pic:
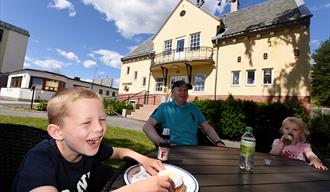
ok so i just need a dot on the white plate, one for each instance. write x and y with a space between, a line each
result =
137 172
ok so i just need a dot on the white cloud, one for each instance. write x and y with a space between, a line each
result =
88 80
63 4
315 42
324 6
134 16
69 55
49 64
89 63
109 58
100 72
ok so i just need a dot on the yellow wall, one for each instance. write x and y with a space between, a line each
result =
195 20
142 67
290 73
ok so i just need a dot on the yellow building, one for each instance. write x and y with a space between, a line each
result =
260 53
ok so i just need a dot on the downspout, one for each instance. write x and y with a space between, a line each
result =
216 71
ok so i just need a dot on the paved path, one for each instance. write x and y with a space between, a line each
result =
111 120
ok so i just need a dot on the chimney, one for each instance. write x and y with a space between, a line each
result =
234 6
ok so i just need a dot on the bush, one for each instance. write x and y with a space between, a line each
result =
113 107
320 133
42 106
230 117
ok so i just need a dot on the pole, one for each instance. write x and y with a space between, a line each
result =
216 73
33 89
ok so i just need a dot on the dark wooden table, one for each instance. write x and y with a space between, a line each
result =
216 170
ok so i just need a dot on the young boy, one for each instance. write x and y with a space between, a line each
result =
77 124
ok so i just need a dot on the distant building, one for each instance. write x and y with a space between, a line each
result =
21 83
13 44
260 53
104 81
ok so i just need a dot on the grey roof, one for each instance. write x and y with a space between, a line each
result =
262 16
14 28
143 49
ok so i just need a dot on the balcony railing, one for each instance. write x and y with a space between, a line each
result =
186 54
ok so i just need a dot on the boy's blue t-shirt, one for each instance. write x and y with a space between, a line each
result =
44 166
183 121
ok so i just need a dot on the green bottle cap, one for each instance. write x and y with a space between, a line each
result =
248 129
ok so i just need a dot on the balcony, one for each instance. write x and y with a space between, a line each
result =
188 54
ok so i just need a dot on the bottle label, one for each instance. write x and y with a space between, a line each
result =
163 153
247 148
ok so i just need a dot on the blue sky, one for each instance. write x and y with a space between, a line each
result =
87 38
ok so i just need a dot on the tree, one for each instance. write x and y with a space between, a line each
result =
321 74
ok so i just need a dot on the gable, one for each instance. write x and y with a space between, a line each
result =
178 25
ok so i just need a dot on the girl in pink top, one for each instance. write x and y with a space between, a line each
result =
298 149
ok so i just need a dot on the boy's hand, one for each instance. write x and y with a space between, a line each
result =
318 164
152 166
154 184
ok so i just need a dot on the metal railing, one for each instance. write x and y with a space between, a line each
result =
144 95
186 54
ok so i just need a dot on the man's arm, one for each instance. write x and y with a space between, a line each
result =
150 131
210 132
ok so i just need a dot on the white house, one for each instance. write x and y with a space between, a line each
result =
21 83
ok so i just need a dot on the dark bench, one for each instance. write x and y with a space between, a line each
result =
17 140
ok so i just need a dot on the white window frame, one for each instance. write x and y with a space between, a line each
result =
247 77
167 47
271 78
159 84
195 41
201 86
232 78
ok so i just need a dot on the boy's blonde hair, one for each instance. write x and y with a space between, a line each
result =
301 124
57 106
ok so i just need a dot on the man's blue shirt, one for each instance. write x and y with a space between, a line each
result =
182 120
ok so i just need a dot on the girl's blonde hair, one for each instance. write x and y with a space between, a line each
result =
301 124
57 106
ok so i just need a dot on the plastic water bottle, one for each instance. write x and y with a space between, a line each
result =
164 145
247 149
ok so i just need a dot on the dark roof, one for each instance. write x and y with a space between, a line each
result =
14 28
144 49
262 16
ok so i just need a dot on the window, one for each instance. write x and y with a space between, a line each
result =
127 71
235 77
100 91
159 84
51 85
194 41
267 76
250 77
167 47
37 82
265 56
135 75
113 94
239 59
16 81
107 93
199 82
144 81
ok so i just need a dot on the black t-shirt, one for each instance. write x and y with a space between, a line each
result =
44 166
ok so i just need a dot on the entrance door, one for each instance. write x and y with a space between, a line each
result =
179 52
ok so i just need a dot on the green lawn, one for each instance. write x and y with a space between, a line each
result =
115 136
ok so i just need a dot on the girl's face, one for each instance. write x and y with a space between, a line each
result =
82 128
294 129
